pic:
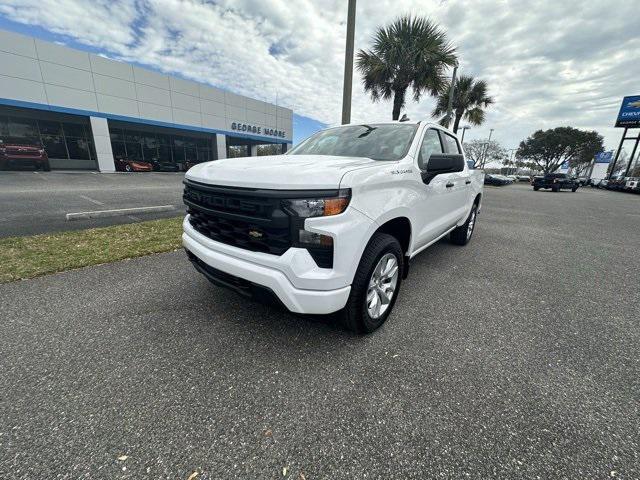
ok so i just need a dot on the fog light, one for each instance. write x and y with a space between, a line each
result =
311 238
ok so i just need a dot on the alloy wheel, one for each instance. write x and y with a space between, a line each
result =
472 223
382 285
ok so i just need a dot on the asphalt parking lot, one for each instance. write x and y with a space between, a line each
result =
517 356
37 202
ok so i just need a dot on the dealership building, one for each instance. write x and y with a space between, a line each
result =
87 111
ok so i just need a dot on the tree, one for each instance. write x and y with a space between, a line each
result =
470 98
549 149
411 52
483 152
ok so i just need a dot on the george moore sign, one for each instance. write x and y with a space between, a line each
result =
244 127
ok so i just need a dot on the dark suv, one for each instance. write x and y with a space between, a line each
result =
555 181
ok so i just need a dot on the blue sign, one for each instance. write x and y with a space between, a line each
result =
604 157
565 165
629 115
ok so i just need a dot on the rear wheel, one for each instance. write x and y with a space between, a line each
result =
555 189
375 286
128 168
536 188
574 189
462 234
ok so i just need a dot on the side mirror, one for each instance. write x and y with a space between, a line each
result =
440 163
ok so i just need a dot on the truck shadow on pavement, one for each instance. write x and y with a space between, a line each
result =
220 305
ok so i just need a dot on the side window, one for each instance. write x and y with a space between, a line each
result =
450 143
430 144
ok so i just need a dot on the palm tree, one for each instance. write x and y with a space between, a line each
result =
411 52
469 101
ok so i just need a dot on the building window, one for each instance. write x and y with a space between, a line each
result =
55 146
159 147
271 149
67 139
79 148
236 151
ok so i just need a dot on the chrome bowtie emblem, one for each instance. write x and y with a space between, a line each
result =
255 234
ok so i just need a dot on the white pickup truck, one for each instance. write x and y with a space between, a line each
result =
331 225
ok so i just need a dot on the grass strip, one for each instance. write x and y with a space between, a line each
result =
28 257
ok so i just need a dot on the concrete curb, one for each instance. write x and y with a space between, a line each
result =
118 212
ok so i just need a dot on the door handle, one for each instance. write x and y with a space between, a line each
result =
449 185
467 182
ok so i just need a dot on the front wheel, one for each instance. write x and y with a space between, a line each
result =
535 189
462 234
375 285
574 189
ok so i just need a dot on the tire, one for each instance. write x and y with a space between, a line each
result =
462 235
555 189
127 168
535 189
355 315
46 167
574 189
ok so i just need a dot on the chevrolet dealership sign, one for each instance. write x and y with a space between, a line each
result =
629 115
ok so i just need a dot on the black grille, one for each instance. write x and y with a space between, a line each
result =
239 217
252 219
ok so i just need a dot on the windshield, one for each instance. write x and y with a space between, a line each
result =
375 141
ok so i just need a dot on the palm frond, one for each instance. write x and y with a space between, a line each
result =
411 52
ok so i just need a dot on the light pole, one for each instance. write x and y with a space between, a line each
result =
348 63
452 88
486 147
464 129
512 154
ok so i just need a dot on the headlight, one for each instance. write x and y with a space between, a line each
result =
319 207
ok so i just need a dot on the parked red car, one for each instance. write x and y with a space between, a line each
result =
126 165
18 156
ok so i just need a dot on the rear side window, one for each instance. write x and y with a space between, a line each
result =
450 143
430 144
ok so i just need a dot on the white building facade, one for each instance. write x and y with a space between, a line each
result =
87 111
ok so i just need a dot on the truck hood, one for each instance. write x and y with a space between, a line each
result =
284 172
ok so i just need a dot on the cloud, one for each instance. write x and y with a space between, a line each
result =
547 63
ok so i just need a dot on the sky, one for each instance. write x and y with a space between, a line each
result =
547 63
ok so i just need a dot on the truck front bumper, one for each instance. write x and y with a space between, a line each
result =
261 269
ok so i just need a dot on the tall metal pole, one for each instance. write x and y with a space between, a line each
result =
464 129
486 147
348 63
615 160
451 90
633 154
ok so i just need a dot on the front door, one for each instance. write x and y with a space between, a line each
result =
436 206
